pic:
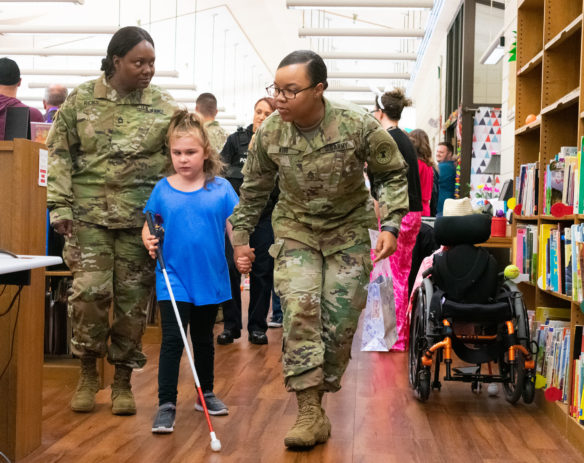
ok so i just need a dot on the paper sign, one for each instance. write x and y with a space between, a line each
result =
43 167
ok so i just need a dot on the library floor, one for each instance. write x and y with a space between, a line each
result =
374 418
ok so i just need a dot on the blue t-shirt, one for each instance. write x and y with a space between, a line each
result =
194 241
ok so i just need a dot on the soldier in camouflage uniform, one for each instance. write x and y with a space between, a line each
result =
322 265
206 106
106 153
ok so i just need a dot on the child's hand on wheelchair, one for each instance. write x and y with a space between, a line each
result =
386 246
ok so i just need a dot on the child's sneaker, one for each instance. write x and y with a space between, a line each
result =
164 421
214 405
275 322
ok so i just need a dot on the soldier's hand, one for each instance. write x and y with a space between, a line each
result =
243 264
386 246
243 252
64 227
151 244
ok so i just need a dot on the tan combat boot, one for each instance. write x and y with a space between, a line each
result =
310 427
84 397
123 402
327 422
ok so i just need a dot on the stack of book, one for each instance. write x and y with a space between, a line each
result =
527 188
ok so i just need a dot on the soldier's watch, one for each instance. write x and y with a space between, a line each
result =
390 229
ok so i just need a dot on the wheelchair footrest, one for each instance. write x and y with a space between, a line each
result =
480 378
471 370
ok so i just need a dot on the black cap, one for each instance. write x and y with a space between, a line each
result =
9 72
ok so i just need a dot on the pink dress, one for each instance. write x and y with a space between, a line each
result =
401 263
426 183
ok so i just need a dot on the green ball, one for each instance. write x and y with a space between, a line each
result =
511 272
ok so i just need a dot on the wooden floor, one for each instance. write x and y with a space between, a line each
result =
374 418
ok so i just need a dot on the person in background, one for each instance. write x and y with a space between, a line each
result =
261 278
106 152
206 106
447 174
425 244
388 111
421 143
317 148
9 82
55 96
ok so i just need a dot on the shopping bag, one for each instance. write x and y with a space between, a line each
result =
379 325
379 322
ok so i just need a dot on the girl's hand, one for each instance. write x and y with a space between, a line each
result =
386 246
243 264
151 243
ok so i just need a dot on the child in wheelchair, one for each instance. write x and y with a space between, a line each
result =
463 306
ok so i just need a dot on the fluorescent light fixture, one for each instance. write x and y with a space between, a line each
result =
370 102
359 3
78 2
357 32
357 55
51 52
494 51
224 117
368 75
349 89
40 29
73 85
80 72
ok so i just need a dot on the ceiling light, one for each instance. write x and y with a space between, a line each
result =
366 55
51 52
368 75
80 72
40 29
359 4
494 51
357 32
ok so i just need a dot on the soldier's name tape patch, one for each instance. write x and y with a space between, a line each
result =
339 146
149 109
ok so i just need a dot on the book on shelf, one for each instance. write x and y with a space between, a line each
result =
526 188
560 180
527 251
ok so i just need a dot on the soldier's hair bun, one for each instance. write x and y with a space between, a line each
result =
394 102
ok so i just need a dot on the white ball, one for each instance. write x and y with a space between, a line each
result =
215 445
493 389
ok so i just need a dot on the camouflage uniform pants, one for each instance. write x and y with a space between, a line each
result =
322 299
109 264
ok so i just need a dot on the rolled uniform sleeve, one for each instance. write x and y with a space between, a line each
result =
259 177
387 171
62 142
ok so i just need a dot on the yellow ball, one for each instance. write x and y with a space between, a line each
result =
511 272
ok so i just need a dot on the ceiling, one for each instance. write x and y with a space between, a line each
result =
229 47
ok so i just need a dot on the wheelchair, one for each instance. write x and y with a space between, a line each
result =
465 307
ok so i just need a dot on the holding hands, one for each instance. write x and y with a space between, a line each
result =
243 256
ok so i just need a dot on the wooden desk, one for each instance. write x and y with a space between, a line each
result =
22 231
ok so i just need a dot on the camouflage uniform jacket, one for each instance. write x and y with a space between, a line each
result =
217 135
323 202
106 153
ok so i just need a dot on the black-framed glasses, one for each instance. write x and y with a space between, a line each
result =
274 91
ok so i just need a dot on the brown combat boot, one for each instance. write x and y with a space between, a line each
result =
83 399
123 402
310 427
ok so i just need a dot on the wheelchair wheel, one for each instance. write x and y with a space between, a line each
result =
528 390
514 376
419 375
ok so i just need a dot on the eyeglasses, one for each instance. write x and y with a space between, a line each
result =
274 91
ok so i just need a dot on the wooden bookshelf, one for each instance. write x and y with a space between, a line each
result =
550 83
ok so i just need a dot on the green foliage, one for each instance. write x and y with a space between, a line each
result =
513 51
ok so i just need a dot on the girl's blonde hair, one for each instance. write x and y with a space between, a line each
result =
183 123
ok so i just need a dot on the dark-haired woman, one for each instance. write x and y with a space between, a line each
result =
426 167
388 111
234 155
318 148
106 153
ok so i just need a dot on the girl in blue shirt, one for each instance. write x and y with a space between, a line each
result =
192 206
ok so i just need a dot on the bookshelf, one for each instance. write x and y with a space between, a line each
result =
550 85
